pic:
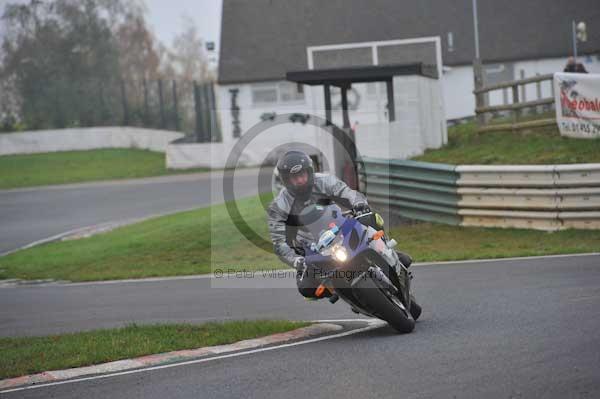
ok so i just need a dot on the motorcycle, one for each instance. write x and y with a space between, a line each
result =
358 264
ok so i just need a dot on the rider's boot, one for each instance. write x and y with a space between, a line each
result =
323 292
320 292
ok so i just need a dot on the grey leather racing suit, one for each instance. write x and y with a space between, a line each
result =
285 206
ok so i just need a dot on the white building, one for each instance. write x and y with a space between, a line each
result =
264 40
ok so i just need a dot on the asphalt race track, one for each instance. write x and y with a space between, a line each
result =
521 328
32 214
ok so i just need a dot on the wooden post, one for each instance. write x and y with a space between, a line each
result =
516 112
523 96
538 89
479 97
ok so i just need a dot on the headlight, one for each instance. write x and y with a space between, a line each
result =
340 254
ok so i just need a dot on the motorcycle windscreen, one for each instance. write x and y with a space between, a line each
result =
318 218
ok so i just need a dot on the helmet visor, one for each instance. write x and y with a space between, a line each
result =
299 180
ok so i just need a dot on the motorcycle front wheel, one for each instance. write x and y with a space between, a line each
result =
386 307
415 310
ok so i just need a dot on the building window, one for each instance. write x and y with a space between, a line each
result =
264 94
450 42
284 92
288 92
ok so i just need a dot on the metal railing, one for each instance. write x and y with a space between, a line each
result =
411 189
542 197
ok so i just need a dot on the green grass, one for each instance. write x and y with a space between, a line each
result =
28 355
199 241
181 244
81 166
536 146
430 242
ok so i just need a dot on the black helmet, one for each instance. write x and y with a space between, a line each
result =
291 163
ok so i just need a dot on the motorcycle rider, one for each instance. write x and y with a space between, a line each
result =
303 187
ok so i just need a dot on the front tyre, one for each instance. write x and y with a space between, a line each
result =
386 307
415 310
399 320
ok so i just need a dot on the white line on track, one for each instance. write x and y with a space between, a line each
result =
259 272
493 260
372 324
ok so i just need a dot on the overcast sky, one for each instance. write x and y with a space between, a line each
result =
165 17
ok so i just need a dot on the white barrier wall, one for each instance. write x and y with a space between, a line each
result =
41 141
266 146
196 155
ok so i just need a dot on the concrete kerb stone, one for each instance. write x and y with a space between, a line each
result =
170 357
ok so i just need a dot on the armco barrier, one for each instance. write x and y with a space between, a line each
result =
533 199
506 176
417 190
544 197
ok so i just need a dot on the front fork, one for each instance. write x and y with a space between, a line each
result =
404 278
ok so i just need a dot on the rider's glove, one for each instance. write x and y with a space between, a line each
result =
299 264
361 207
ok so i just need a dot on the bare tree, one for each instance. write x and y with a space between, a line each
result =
187 57
138 54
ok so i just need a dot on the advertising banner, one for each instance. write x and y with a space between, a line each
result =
577 104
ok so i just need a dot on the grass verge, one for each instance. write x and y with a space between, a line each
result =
199 241
537 146
81 166
432 242
28 355
185 243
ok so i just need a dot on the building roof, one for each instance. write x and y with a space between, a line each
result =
263 39
345 76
